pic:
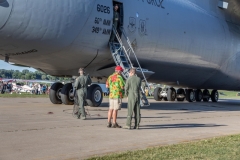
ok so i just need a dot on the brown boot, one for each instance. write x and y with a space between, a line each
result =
109 125
115 125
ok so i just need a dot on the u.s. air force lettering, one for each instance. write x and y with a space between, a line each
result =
142 30
132 24
157 3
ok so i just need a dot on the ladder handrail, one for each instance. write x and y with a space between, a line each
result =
121 43
125 52
130 45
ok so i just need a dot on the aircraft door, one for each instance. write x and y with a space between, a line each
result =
118 19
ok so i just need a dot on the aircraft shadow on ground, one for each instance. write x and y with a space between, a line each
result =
222 105
187 125
227 105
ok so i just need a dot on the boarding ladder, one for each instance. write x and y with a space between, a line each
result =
121 56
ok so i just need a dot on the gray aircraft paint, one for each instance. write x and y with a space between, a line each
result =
192 42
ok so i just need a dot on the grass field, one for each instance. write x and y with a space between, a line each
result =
229 94
222 148
23 95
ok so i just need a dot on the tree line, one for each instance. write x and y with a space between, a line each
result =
29 75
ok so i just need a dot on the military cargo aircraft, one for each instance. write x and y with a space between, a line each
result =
192 45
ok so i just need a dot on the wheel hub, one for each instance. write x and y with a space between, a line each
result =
71 95
191 95
59 93
97 96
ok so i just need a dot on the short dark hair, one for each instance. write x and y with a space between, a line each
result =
133 70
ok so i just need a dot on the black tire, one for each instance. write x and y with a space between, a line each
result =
214 96
157 95
94 96
190 97
66 93
171 94
198 95
54 93
181 91
206 95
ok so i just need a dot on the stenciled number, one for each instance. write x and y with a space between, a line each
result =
95 29
104 9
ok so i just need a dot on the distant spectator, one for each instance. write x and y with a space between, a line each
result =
39 89
44 88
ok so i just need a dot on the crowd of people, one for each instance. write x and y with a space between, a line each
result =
5 87
38 88
33 88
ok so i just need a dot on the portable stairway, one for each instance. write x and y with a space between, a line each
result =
121 56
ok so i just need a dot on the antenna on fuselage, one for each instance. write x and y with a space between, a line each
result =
6 59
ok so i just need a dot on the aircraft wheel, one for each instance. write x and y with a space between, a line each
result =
55 93
94 96
214 96
67 94
206 95
198 95
180 91
190 96
171 94
157 95
165 99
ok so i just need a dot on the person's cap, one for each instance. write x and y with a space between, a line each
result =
118 68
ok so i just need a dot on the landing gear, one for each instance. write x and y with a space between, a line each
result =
157 94
214 96
55 93
94 96
206 95
168 94
180 94
198 95
171 94
60 93
67 94
190 96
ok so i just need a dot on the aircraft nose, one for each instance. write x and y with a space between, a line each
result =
5 11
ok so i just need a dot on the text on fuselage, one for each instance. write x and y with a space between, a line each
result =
157 3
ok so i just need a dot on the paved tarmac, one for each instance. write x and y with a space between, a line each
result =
33 128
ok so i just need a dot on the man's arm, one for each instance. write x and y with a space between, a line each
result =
76 83
89 82
127 87
108 82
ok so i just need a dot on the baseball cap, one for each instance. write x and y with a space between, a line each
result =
118 68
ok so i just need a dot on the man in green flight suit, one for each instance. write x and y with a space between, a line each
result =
132 90
115 21
80 86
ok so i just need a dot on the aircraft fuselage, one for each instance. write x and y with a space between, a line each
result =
186 43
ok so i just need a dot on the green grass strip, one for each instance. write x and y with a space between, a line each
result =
221 148
23 95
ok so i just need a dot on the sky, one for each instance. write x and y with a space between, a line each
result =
4 65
